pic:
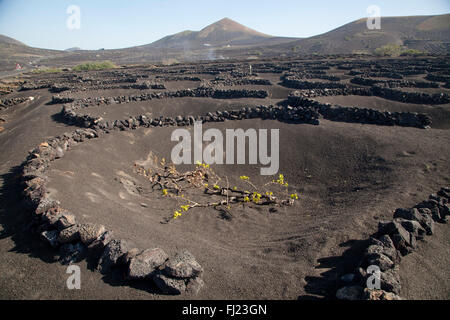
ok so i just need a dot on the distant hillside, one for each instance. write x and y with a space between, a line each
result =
227 39
424 33
223 33
4 40
13 51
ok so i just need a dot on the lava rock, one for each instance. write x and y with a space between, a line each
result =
69 235
112 254
404 244
144 264
385 247
423 216
97 247
90 232
375 257
126 258
390 281
50 237
46 204
376 295
351 293
403 240
59 153
183 265
169 285
433 206
412 227
72 253
51 217
348 278
195 285
65 221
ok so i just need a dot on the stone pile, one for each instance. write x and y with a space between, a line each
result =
146 85
437 77
281 113
6 103
385 74
386 93
57 88
178 78
298 110
394 83
34 86
309 75
394 239
201 92
57 99
227 81
361 115
410 97
295 83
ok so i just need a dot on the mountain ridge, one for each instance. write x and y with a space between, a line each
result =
424 33
228 39
225 32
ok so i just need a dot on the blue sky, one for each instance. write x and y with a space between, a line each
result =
117 24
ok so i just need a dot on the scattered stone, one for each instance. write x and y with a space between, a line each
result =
183 265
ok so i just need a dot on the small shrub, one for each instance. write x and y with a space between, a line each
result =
48 70
395 50
93 66
174 184
411 52
389 50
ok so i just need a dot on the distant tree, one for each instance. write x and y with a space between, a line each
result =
395 50
89 66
